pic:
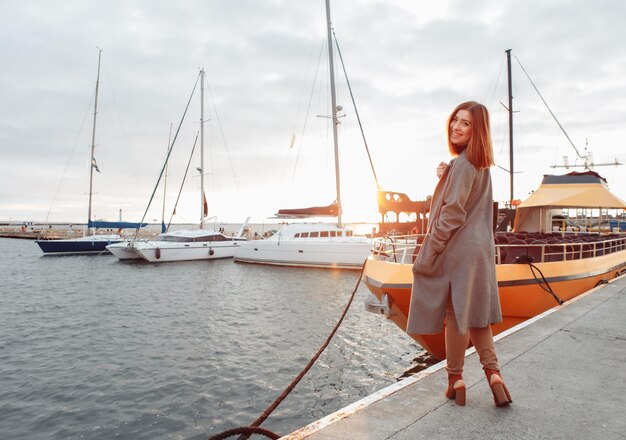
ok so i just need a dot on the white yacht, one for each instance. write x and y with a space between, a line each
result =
189 244
124 250
185 245
320 245
313 244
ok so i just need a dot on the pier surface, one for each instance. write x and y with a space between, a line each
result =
565 369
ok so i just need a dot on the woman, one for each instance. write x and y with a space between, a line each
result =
454 274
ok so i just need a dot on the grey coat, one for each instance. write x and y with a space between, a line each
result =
457 256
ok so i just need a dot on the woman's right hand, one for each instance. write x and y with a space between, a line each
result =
441 168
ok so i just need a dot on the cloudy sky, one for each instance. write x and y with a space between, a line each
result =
409 64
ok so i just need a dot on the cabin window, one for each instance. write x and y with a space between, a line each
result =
333 233
348 233
217 237
304 235
176 239
314 234
297 235
324 234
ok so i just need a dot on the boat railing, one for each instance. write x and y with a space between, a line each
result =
397 248
403 248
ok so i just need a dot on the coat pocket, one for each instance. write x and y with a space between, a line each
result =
427 262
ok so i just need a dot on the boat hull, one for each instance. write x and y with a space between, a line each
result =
330 254
124 251
94 245
521 296
157 252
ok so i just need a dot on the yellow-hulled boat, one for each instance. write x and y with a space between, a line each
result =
537 265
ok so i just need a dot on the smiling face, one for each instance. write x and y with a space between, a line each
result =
461 128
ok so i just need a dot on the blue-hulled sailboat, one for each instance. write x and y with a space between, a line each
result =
91 243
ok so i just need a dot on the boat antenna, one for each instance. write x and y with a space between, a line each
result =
334 110
588 163
356 111
93 145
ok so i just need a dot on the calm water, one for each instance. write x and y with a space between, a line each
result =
91 348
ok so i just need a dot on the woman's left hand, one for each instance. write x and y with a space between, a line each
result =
441 168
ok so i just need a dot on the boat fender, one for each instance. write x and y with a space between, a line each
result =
157 253
211 251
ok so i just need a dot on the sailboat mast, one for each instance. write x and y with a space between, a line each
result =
334 110
92 163
508 60
202 197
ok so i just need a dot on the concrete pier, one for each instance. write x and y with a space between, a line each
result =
565 369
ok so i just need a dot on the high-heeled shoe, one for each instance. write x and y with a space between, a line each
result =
456 389
501 396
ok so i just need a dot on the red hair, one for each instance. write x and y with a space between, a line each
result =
478 150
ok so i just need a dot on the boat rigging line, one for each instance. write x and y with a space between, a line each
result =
119 119
358 118
254 428
219 124
69 159
306 117
167 157
550 110
183 182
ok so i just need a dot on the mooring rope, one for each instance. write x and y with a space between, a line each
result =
246 431
255 425
527 259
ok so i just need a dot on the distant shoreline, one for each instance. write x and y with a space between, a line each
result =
36 229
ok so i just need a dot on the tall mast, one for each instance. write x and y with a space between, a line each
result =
202 197
334 109
92 162
510 109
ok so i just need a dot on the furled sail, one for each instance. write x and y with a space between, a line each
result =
115 225
331 210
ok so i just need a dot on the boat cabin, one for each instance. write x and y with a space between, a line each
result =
568 217
194 236
578 202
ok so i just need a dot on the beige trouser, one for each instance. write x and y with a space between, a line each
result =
456 344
